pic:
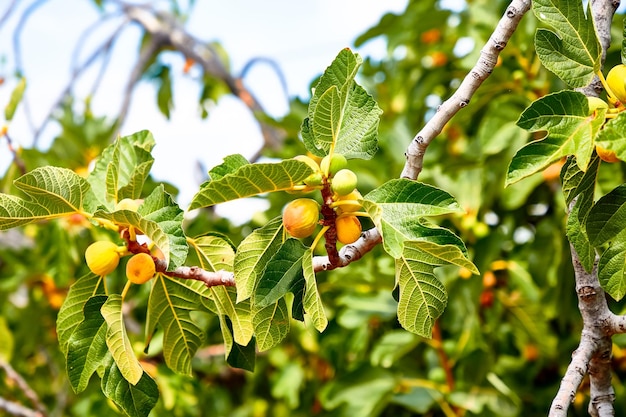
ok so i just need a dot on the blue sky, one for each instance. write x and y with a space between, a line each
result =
301 36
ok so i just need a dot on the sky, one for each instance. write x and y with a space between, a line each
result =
301 37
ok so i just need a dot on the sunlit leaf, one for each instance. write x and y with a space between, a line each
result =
271 324
118 342
253 254
170 304
14 101
570 131
312 302
231 164
250 180
573 53
327 117
50 192
612 137
137 400
87 348
122 169
71 312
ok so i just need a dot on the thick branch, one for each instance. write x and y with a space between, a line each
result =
481 71
210 279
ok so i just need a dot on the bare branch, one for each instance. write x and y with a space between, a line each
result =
16 158
349 253
40 410
18 410
210 279
461 98
7 12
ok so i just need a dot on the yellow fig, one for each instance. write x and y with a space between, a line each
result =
127 204
616 79
103 257
348 203
607 155
301 217
140 268
348 229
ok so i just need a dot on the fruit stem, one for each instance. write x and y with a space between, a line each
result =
609 92
354 213
126 288
319 236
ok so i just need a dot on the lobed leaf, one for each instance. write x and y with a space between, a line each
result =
251 179
312 301
574 52
607 218
136 400
87 348
170 304
50 192
253 254
71 312
118 342
612 268
564 115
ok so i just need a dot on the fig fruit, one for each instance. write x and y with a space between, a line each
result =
344 182
607 155
127 204
330 166
349 203
348 229
596 103
140 268
309 161
301 216
102 257
616 79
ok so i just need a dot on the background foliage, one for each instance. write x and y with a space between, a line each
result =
500 347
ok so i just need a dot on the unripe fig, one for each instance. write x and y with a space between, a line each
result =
607 155
301 216
348 229
127 204
140 268
344 182
349 203
616 79
314 180
102 257
330 166
596 103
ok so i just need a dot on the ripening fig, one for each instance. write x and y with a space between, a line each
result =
344 182
103 257
127 204
348 203
607 155
140 268
301 216
616 79
348 229
330 166
596 103
309 161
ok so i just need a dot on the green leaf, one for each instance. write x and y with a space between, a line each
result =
271 324
564 115
231 164
164 94
612 136
607 218
170 304
252 179
215 253
160 219
118 342
422 297
574 52
122 169
136 400
612 268
50 192
577 236
341 113
71 312
281 273
253 254
87 348
14 101
327 118
397 207
312 302
238 356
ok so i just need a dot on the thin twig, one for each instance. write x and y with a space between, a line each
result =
461 98
16 158
7 12
21 383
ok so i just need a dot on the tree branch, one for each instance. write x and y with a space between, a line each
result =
210 279
18 409
461 98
